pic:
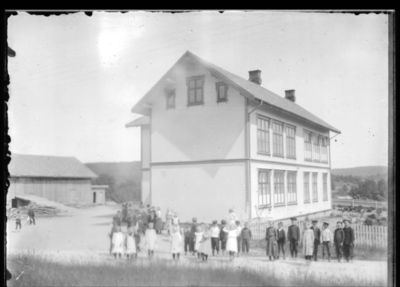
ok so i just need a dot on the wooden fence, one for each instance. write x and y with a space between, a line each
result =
355 202
368 235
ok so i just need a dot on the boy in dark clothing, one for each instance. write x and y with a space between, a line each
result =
193 229
317 238
18 221
31 215
293 237
246 237
281 239
187 240
223 236
338 238
348 241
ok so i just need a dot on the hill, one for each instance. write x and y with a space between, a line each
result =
123 179
362 171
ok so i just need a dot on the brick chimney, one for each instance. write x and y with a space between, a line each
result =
289 95
255 77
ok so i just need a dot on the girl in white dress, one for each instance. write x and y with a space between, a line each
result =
198 235
176 242
130 244
150 239
231 245
205 244
117 242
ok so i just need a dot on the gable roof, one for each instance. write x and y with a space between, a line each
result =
142 121
23 165
248 89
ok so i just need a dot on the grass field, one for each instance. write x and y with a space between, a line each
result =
36 270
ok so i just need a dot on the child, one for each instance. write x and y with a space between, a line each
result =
326 239
271 237
176 242
246 237
308 244
130 244
110 235
136 234
151 237
214 237
198 235
18 221
239 236
223 236
231 244
281 239
338 240
117 242
205 244
188 238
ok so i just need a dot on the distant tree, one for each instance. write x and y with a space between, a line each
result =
354 192
333 183
382 189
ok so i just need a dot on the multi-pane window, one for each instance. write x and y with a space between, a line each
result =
291 187
306 187
277 138
279 187
325 186
170 97
195 87
222 91
307 146
316 148
263 135
264 187
290 141
315 186
324 149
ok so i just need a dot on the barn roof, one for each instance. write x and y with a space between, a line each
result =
23 165
247 88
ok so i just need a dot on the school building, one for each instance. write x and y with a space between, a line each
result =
211 141
61 179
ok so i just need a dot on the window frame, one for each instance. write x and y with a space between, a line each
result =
267 189
324 147
275 135
308 134
316 154
288 126
281 192
195 89
325 196
314 186
293 185
267 133
225 97
306 199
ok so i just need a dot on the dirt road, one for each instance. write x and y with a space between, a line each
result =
82 234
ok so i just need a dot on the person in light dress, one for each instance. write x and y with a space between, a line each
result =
150 239
130 244
117 242
176 242
231 244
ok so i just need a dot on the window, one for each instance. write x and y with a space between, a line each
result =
222 92
324 149
279 187
195 87
316 148
325 186
277 138
291 187
306 187
315 186
264 187
290 142
170 96
307 145
263 135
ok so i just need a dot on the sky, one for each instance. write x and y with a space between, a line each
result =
75 78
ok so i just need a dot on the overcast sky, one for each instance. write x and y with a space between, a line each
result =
75 78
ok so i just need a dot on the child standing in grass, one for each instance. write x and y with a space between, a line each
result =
18 219
205 244
246 237
338 240
110 235
223 236
187 240
130 244
151 238
231 244
326 240
308 243
214 230
198 235
117 242
176 242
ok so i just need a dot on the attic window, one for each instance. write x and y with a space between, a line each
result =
170 97
195 86
222 92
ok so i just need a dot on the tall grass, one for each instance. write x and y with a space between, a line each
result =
42 271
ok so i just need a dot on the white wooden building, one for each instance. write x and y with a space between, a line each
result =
60 179
211 141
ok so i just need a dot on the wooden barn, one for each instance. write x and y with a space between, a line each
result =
61 179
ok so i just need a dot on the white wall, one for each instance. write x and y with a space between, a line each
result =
205 191
145 197
290 210
189 133
145 146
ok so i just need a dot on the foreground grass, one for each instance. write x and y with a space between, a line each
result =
41 271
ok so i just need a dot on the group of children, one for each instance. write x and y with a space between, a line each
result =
30 218
313 237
